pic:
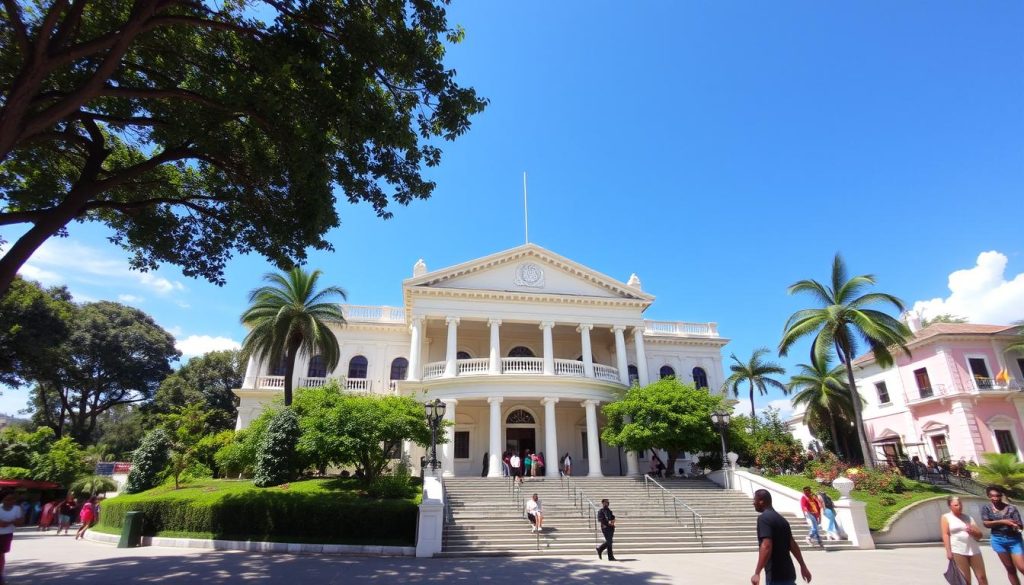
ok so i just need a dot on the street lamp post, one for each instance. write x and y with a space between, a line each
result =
720 419
435 413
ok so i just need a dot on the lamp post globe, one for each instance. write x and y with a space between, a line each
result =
434 410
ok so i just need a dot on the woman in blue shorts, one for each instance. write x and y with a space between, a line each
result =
1006 524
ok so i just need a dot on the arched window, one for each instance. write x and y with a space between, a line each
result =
634 375
700 378
462 355
280 368
520 417
357 367
317 367
399 368
667 372
520 351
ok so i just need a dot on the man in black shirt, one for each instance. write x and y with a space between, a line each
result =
607 520
776 543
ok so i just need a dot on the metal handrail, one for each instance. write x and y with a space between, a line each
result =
698 520
449 516
580 501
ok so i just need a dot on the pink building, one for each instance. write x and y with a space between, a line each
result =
949 399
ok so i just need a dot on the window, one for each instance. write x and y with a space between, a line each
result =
667 372
700 378
520 351
586 450
1005 441
883 393
462 355
941 448
280 368
317 367
520 417
924 384
634 375
979 369
357 367
399 369
462 444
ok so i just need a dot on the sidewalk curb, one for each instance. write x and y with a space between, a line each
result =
259 546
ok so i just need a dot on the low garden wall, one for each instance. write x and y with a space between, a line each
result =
919 522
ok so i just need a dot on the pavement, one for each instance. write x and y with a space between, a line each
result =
44 559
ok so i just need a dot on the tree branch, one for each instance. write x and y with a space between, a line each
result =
175 93
69 25
46 28
124 120
20 34
142 204
203 23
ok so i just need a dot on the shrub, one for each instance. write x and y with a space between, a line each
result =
15 473
887 501
276 459
778 457
231 460
826 468
874 481
396 485
148 462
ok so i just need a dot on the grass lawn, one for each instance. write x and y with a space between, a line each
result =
279 514
878 514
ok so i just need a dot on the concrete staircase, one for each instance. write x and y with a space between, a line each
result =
486 520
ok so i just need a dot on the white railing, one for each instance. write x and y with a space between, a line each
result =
357 384
473 366
681 328
373 314
603 372
312 382
269 382
433 370
522 365
568 368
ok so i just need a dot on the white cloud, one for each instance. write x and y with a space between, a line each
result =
199 344
33 272
783 405
129 299
982 294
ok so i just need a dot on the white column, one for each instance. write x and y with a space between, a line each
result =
252 371
450 367
593 445
448 448
641 356
549 350
495 346
415 348
588 356
494 454
632 463
620 354
550 438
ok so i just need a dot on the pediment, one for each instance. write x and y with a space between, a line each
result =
528 269
932 426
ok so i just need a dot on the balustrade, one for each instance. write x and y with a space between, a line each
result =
681 328
522 365
269 382
603 372
373 313
569 368
473 366
433 370
312 382
358 384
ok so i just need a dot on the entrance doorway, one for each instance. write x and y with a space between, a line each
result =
518 440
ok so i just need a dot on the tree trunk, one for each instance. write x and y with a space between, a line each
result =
671 463
753 414
289 369
862 437
835 433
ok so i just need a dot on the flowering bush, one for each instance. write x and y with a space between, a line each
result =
778 457
825 468
874 481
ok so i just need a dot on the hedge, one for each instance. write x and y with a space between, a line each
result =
271 516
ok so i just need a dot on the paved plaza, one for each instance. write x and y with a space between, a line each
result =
44 559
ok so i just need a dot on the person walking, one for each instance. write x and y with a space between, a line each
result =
66 512
812 513
535 512
567 465
775 545
1005 521
88 517
11 516
607 520
960 536
506 468
527 463
540 464
517 469
828 510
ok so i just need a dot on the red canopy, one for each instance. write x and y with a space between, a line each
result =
28 484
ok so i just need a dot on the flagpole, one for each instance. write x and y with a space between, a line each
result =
526 211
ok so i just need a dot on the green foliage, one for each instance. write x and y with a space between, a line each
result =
666 414
18 447
8 472
1000 469
207 448
62 463
276 460
187 427
289 316
744 437
825 468
201 141
824 393
120 430
942 318
756 373
778 457
230 460
875 481
887 501
33 321
149 462
393 486
92 485
328 511
207 379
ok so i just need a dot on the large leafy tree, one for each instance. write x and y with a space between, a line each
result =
665 415
114 355
194 130
290 316
823 391
756 373
33 321
373 428
208 380
844 320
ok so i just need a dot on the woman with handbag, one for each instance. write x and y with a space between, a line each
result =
960 537
1006 524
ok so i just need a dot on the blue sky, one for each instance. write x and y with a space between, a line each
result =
720 150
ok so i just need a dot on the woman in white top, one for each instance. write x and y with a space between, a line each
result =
960 537
10 516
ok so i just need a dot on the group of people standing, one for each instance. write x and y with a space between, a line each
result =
529 465
960 536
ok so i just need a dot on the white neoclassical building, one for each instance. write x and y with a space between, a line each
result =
523 346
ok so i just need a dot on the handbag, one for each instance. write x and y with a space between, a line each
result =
953 575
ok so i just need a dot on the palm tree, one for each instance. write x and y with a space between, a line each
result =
1018 344
840 321
823 392
757 373
1000 469
93 485
289 316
